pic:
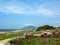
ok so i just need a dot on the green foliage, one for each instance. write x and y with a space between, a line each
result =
11 35
45 27
38 41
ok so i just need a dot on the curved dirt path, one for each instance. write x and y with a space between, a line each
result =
3 42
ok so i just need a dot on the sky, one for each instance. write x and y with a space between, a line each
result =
16 14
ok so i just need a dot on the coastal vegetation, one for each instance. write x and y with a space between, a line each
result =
43 35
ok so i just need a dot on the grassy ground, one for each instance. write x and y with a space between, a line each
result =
21 33
38 41
34 41
13 34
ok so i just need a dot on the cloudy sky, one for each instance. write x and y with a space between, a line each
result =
15 14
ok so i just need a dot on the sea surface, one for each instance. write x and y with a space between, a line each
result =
5 30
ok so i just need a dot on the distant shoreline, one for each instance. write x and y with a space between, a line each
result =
3 30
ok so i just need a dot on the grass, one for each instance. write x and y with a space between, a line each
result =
34 41
12 34
21 33
38 41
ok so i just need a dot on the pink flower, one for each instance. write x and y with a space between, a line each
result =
45 34
53 33
56 32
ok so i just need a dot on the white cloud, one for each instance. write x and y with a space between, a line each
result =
28 24
44 11
27 10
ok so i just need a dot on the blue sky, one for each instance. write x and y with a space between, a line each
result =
15 14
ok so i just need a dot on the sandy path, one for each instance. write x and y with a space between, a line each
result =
3 42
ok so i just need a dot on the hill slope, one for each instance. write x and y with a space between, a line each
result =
29 28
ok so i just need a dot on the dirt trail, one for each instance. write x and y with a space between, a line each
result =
3 42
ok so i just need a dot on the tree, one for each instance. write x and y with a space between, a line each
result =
45 27
58 27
